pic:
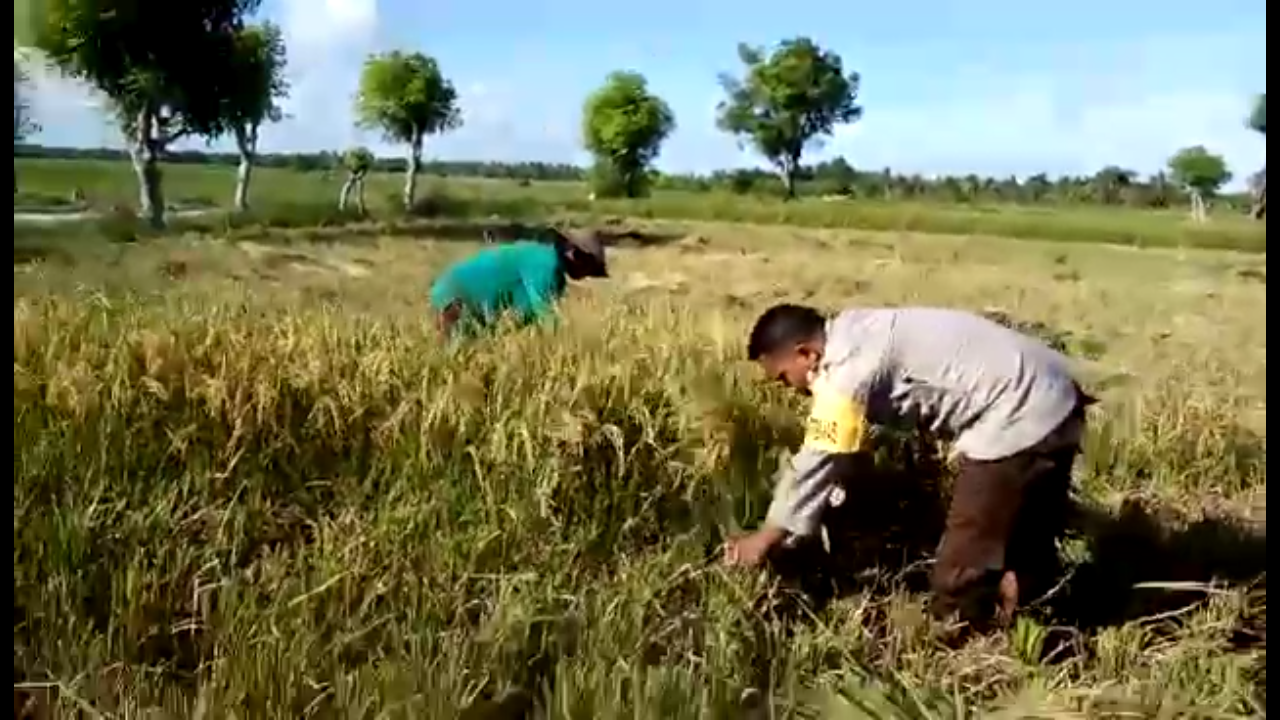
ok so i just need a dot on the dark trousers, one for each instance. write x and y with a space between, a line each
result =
999 547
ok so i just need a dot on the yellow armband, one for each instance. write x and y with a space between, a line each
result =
837 423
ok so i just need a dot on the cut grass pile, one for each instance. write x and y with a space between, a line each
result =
261 486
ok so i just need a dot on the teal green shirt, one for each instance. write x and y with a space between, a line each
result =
523 280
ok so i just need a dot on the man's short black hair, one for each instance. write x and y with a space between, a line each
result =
783 325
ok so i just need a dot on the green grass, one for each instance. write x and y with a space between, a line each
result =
284 194
247 479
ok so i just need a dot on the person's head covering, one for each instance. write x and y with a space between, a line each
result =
590 250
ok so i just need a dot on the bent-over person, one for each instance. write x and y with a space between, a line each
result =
521 280
1009 404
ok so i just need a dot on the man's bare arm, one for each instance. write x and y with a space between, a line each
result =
834 439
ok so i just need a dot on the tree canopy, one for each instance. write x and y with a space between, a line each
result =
23 122
257 84
28 15
1197 169
1202 173
788 100
623 126
358 160
257 78
405 96
1258 116
158 56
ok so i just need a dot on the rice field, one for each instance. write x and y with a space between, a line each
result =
249 482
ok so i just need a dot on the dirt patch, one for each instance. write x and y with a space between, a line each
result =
739 255
503 232
353 268
273 259
290 261
1254 274
175 268
35 254
667 281
693 243
1064 341
638 238
255 250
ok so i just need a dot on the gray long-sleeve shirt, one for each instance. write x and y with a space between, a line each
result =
993 391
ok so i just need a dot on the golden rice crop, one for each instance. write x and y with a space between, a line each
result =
282 509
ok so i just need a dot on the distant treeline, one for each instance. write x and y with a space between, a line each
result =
1109 186
323 160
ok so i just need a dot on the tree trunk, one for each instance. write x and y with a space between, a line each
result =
243 173
1198 212
789 169
145 155
352 188
1259 183
246 142
411 172
344 195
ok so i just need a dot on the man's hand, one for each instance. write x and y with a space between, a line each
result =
751 549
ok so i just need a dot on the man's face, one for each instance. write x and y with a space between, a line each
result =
794 367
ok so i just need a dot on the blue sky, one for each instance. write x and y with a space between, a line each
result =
986 86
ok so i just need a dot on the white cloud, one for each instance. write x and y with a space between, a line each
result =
54 93
69 111
319 26
504 122
1032 130
1131 104
327 40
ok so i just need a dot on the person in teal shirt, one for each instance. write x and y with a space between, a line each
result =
522 280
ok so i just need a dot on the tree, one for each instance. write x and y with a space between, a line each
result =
1110 181
1038 187
787 101
1258 115
358 161
1160 195
1258 182
836 176
27 16
163 64
405 96
23 124
1201 173
1258 189
623 126
258 65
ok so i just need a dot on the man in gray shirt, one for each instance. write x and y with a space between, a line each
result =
1008 403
